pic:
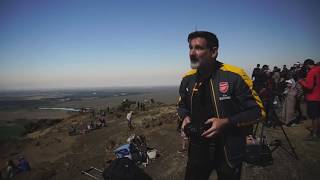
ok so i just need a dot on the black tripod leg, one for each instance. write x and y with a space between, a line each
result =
261 134
289 142
293 153
275 148
255 130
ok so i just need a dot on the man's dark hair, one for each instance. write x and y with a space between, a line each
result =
212 40
258 65
308 62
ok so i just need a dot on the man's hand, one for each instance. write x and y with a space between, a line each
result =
216 126
185 121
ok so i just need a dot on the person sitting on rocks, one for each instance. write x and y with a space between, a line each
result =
11 169
102 122
23 165
90 127
72 131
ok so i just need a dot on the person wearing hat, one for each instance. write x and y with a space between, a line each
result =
312 86
23 165
288 112
218 107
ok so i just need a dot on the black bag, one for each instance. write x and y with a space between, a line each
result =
258 152
124 169
234 150
139 149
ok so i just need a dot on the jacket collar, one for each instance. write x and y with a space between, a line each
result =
205 74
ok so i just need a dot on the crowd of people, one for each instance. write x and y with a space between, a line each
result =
295 89
96 122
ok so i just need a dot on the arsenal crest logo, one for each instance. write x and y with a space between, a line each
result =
223 87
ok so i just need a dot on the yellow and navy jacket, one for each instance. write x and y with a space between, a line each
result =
231 92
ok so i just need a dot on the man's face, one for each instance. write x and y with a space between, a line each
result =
200 54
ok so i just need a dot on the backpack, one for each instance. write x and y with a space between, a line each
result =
124 169
131 151
139 150
124 151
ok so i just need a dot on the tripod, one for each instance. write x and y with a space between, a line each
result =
277 143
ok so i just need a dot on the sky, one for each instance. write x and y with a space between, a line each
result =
90 43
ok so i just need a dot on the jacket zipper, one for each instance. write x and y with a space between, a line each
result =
214 99
218 116
192 97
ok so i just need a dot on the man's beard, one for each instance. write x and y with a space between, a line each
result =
198 63
194 63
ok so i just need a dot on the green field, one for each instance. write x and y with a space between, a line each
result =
11 131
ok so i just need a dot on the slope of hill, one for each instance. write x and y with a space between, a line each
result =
54 155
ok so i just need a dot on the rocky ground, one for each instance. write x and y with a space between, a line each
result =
54 155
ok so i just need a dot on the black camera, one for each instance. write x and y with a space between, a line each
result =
193 131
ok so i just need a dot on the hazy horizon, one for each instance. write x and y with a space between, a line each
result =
88 88
79 43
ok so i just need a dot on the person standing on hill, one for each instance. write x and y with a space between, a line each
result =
129 119
312 87
218 107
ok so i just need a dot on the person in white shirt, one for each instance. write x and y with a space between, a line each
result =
129 119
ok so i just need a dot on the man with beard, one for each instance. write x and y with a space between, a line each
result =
218 106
